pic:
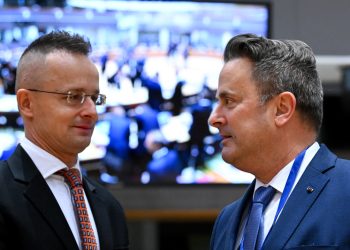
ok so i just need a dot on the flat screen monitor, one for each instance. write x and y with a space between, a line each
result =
159 63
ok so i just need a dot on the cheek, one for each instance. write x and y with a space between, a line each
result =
58 121
248 126
53 117
242 119
259 130
52 124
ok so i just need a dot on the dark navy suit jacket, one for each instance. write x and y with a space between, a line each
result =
316 215
31 219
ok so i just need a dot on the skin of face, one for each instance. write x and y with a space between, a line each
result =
50 122
245 124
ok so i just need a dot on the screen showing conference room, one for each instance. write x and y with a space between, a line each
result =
159 63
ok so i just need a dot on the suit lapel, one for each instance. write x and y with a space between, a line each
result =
102 220
40 196
301 200
236 217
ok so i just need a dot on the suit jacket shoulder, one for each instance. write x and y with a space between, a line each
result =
316 213
314 217
30 217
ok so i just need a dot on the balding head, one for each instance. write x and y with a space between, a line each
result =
32 62
29 70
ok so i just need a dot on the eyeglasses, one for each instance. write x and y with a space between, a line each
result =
77 97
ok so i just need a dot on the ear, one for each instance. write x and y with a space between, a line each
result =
285 108
24 103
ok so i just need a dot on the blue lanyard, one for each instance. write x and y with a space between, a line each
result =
290 182
287 188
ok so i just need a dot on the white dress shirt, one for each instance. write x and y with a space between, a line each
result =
48 165
278 182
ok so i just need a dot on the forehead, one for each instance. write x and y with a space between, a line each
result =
61 58
236 76
74 71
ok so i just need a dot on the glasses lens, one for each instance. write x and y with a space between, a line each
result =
75 98
99 99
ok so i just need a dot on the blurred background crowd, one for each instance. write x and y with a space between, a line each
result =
159 75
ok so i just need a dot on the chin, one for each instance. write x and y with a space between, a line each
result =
81 145
227 157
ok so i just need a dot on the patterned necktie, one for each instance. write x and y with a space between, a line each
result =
253 230
87 236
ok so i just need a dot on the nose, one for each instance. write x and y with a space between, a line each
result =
89 108
216 119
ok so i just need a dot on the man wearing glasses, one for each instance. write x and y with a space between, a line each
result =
45 202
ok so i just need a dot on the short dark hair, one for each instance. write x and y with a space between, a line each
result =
55 41
59 40
282 65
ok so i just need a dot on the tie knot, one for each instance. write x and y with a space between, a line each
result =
264 195
71 176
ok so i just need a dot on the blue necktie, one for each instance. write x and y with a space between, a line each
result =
253 230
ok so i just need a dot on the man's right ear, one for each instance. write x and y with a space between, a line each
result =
24 102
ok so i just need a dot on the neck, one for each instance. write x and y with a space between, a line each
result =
68 159
287 143
279 162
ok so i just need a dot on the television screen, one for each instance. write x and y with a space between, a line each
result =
159 63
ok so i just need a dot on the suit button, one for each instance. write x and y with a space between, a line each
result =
309 189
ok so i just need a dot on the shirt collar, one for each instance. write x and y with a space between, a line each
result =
279 181
46 163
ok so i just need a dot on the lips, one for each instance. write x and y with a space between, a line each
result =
84 126
225 137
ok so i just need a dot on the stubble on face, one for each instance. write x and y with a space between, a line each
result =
247 124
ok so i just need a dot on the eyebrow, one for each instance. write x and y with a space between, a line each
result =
224 94
97 91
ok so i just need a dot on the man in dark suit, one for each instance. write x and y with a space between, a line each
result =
57 88
269 112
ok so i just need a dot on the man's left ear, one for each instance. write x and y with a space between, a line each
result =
285 107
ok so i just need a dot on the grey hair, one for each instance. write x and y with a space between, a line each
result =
282 65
